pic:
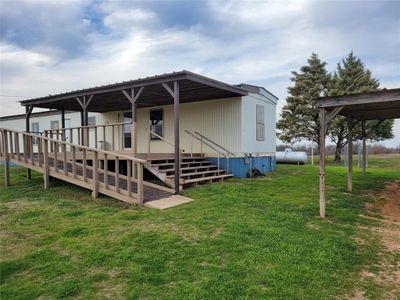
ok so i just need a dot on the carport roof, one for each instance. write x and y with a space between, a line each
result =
193 87
379 105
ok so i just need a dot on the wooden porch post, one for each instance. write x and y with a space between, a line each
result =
175 94
84 103
28 111
134 137
350 159
132 97
364 148
176 135
322 162
62 118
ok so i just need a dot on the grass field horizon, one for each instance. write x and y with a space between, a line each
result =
243 238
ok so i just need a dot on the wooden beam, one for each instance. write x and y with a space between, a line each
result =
332 114
169 90
322 133
364 98
350 154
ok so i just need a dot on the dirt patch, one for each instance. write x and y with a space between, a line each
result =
387 203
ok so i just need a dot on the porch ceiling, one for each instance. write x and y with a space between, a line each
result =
193 87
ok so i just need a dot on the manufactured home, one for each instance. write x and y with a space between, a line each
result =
181 127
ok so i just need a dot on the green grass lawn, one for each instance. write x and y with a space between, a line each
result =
257 239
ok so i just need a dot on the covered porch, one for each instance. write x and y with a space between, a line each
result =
176 89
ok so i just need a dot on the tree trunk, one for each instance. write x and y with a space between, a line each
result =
337 150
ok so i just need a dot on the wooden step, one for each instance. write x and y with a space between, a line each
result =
198 173
171 160
209 178
189 168
206 162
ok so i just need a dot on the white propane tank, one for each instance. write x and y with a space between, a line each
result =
291 157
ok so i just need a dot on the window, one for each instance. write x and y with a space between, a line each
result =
260 125
157 123
55 124
35 129
92 120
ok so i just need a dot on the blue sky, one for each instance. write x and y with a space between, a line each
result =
54 46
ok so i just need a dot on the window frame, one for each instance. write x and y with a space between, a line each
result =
33 124
153 137
260 122
54 121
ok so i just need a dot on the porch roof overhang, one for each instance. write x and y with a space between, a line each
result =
193 87
380 105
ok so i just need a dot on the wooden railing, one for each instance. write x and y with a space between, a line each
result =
150 133
92 135
85 171
220 151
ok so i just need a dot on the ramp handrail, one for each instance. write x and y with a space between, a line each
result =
18 146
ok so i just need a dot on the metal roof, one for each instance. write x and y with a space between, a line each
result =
193 87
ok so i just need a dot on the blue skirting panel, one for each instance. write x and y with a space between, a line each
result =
239 166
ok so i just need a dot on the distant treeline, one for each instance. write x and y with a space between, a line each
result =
330 149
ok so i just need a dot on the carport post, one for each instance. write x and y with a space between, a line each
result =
364 148
322 162
350 159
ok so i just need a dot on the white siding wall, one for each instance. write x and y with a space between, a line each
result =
218 120
229 122
249 143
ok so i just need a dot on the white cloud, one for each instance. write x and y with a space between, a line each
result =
257 41
126 20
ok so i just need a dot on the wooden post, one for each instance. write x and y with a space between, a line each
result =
80 132
176 133
364 148
62 118
140 183
95 191
46 163
86 129
106 171
322 133
134 134
175 94
6 159
28 111
117 174
129 177
350 159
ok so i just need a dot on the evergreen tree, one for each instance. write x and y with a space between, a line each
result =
352 77
300 115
